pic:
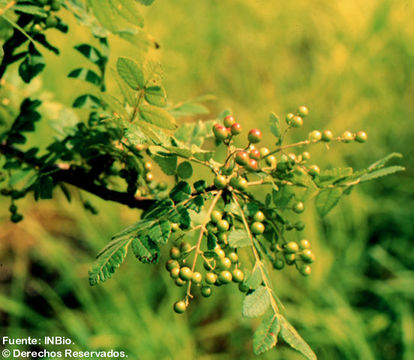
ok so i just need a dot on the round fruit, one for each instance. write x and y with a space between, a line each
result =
234 258
306 155
289 118
347 136
271 160
305 270
222 238
243 287
327 136
148 166
307 256
175 253
296 121
264 151
186 273
315 135
242 158
225 263
259 216
225 277
303 111
314 170
236 129
220 132
278 264
299 207
55 5
206 291
290 258
220 252
51 21
254 154
257 228
211 278
361 136
179 282
229 121
171 264
180 307
174 226
254 136
243 184
197 277
223 225
175 272
216 216
149 177
185 247
292 158
220 181
238 275
291 247
300 225
252 165
304 244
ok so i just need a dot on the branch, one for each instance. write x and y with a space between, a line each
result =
80 178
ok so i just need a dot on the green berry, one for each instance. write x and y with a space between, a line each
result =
234 258
242 158
211 278
216 216
171 264
220 181
305 270
225 277
243 287
300 225
259 216
296 121
290 258
185 247
175 226
186 273
264 151
271 160
237 275
222 238
229 121
299 207
13 208
361 136
303 111
149 177
175 272
220 252
304 244
223 225
307 256
327 136
147 166
197 277
291 247
225 263
180 307
347 136
175 253
257 228
254 136
306 155
278 264
180 282
314 170
206 291
55 5
289 118
315 135
51 21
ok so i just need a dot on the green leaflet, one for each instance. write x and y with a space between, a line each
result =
180 192
195 132
108 260
265 336
167 163
274 124
157 116
327 199
145 250
255 278
239 238
256 303
291 336
129 70
85 75
185 170
91 53
381 172
128 10
156 95
87 101
380 163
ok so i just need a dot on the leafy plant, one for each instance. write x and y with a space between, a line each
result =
218 232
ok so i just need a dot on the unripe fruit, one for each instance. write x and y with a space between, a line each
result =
149 177
278 264
197 277
299 225
220 132
314 170
175 226
216 216
180 307
361 136
291 247
304 244
271 161
236 129
55 5
296 121
257 228
347 136
51 21
242 158
229 121
220 252
306 155
307 256
225 277
264 151
289 118
222 238
237 275
299 207
211 278
234 258
206 291
185 247
252 165
254 136
292 157
305 270
148 166
186 273
220 181
175 272
180 282
303 111
327 135
175 253
243 287
254 154
259 216
225 263
171 264
315 135
290 258
242 184
223 225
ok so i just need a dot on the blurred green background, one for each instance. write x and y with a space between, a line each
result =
351 62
